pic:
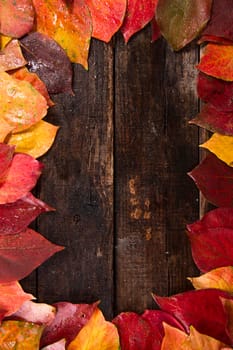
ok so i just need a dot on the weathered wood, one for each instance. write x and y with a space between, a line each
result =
155 147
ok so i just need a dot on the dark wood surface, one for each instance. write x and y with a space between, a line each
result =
117 178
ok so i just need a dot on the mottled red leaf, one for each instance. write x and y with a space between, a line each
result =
211 239
214 120
135 332
202 309
11 56
16 216
16 17
217 92
49 61
156 318
138 14
21 253
220 24
6 156
215 180
107 17
20 178
69 320
181 21
155 30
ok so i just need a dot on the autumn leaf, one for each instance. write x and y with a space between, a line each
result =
221 146
214 39
16 17
97 334
197 341
12 297
107 17
20 104
16 250
49 61
228 307
220 24
135 332
36 140
19 335
155 30
213 120
220 278
181 21
211 239
215 180
11 56
199 309
217 61
4 40
59 345
173 338
20 178
138 14
217 92
34 80
69 25
69 320
6 156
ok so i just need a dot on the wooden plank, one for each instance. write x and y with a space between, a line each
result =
154 148
78 182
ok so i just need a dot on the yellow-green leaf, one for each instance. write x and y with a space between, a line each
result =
221 146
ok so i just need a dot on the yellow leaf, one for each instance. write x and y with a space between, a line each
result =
198 341
97 334
5 129
19 335
4 40
36 140
221 146
220 278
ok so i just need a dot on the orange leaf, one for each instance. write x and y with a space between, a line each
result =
173 338
11 56
217 61
197 341
221 146
21 105
70 26
19 335
220 278
97 334
36 140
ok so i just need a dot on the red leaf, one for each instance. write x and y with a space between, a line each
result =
217 92
15 217
69 320
214 39
138 14
211 239
21 253
215 180
20 179
156 318
135 332
202 309
107 17
220 24
155 30
216 121
6 156
16 17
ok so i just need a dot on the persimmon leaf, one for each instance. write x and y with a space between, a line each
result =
69 320
220 278
68 23
36 140
16 250
181 21
49 61
6 156
173 338
210 239
217 61
97 334
16 216
221 146
214 120
11 56
138 14
20 179
107 17
20 104
199 309
215 180
19 335
16 17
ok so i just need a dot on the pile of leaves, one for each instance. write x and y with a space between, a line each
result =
32 33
